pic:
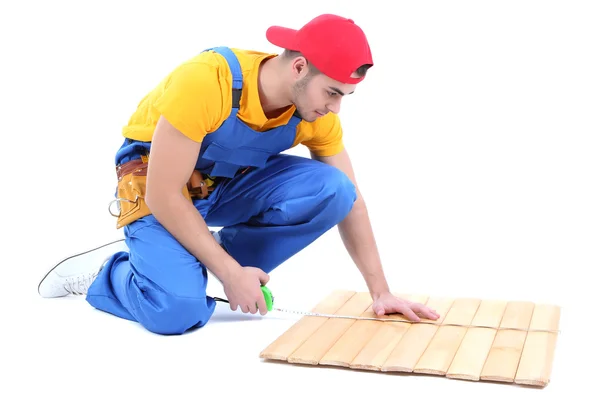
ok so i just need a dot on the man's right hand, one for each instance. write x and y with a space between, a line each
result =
242 289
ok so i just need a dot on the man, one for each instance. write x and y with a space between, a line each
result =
203 149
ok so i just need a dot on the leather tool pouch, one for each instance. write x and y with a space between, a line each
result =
131 190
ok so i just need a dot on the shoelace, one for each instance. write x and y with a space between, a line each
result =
80 284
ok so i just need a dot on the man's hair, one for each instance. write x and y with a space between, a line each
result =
312 70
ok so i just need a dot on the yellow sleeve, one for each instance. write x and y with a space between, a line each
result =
326 139
192 100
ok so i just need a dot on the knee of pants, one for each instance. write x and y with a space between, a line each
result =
340 192
168 314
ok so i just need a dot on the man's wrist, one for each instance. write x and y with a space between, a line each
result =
227 270
377 292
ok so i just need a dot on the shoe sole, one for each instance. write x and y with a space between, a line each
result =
73 256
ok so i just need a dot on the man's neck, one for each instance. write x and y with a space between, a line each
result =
272 88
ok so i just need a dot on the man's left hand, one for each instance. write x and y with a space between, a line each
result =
387 303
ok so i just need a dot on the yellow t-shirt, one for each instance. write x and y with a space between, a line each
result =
196 98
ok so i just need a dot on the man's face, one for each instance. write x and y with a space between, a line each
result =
317 95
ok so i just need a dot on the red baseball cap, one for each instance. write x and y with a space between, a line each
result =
336 46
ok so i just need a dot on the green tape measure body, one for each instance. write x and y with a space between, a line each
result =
268 297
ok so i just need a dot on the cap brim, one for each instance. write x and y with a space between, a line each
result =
283 37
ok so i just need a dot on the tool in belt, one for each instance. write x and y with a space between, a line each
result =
199 185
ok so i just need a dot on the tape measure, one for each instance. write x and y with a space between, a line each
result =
269 299
270 302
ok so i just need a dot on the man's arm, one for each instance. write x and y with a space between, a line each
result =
357 234
173 157
356 231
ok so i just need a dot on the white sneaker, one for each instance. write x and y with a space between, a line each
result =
217 236
75 274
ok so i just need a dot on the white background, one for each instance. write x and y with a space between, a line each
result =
475 140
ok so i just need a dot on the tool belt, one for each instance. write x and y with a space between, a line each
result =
131 190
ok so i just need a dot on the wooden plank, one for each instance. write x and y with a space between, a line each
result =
490 313
378 348
475 347
535 366
503 358
438 356
315 347
353 340
416 339
290 340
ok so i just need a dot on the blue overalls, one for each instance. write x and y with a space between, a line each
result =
268 213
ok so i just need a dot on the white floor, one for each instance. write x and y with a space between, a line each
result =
63 346
475 141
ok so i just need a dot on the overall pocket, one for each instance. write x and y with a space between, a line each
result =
228 162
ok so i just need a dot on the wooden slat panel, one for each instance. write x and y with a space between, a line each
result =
535 366
313 348
291 339
503 359
443 346
379 347
416 339
475 347
497 343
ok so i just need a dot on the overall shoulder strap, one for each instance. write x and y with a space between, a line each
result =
236 73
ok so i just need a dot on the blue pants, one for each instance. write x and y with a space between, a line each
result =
267 215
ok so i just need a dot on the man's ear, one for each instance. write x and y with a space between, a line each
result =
299 67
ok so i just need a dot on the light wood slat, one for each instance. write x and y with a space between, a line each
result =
416 339
475 347
313 349
503 358
443 346
537 357
290 340
378 348
490 313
